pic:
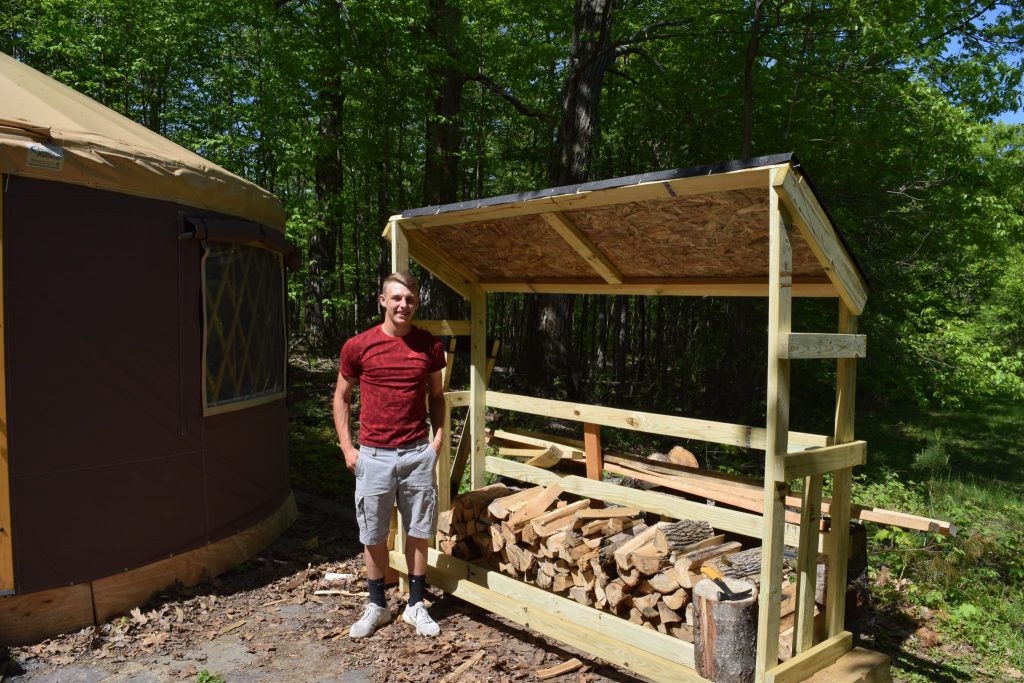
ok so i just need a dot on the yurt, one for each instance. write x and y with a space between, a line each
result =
142 406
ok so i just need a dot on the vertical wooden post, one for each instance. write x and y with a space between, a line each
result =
477 384
838 547
807 564
443 469
399 248
594 455
780 300
399 262
6 548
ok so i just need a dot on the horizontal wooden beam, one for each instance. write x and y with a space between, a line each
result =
816 229
809 662
744 287
444 328
735 521
457 399
651 423
824 460
653 655
812 345
575 238
744 179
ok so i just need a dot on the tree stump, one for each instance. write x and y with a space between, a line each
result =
724 632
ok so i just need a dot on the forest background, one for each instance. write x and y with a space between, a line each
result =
352 111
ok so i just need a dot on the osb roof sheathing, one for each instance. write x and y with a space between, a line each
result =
686 224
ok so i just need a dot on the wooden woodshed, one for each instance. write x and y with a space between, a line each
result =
142 401
753 228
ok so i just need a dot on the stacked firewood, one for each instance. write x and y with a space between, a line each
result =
605 557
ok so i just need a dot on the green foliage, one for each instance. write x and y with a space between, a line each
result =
205 676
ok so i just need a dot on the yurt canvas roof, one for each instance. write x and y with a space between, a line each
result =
50 131
698 231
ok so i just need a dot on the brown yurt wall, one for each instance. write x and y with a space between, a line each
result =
112 464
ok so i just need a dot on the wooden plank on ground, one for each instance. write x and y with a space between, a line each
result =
809 662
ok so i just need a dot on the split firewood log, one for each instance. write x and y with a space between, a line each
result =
648 560
691 562
667 615
617 592
536 506
663 582
501 508
676 600
622 553
677 535
647 604
582 595
613 543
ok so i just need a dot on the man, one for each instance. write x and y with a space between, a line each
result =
393 362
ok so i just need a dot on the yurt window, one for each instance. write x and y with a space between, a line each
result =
244 347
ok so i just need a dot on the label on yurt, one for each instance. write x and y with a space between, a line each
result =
46 156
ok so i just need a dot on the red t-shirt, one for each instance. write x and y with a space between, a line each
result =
392 373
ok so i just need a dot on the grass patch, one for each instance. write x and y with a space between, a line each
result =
963 596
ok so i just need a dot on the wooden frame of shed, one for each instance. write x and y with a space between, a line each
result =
753 228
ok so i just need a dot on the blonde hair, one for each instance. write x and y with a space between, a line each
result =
402 277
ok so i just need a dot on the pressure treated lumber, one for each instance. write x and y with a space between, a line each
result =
445 328
816 229
780 300
735 521
809 662
724 632
645 652
575 238
652 423
812 345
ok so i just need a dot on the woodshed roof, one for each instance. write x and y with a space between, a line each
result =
695 231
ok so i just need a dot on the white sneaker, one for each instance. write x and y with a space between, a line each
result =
417 616
373 616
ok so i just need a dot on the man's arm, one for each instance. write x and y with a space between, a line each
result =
435 387
343 417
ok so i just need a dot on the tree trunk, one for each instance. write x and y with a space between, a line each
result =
443 138
748 80
323 240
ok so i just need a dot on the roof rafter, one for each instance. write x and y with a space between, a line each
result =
568 231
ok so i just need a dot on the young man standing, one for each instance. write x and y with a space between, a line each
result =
393 362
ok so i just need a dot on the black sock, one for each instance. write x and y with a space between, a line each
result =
377 592
416 586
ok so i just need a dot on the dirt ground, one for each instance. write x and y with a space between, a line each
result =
262 622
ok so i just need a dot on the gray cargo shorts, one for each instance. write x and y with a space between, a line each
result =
405 473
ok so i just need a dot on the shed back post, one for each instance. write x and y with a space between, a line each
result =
838 547
477 383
